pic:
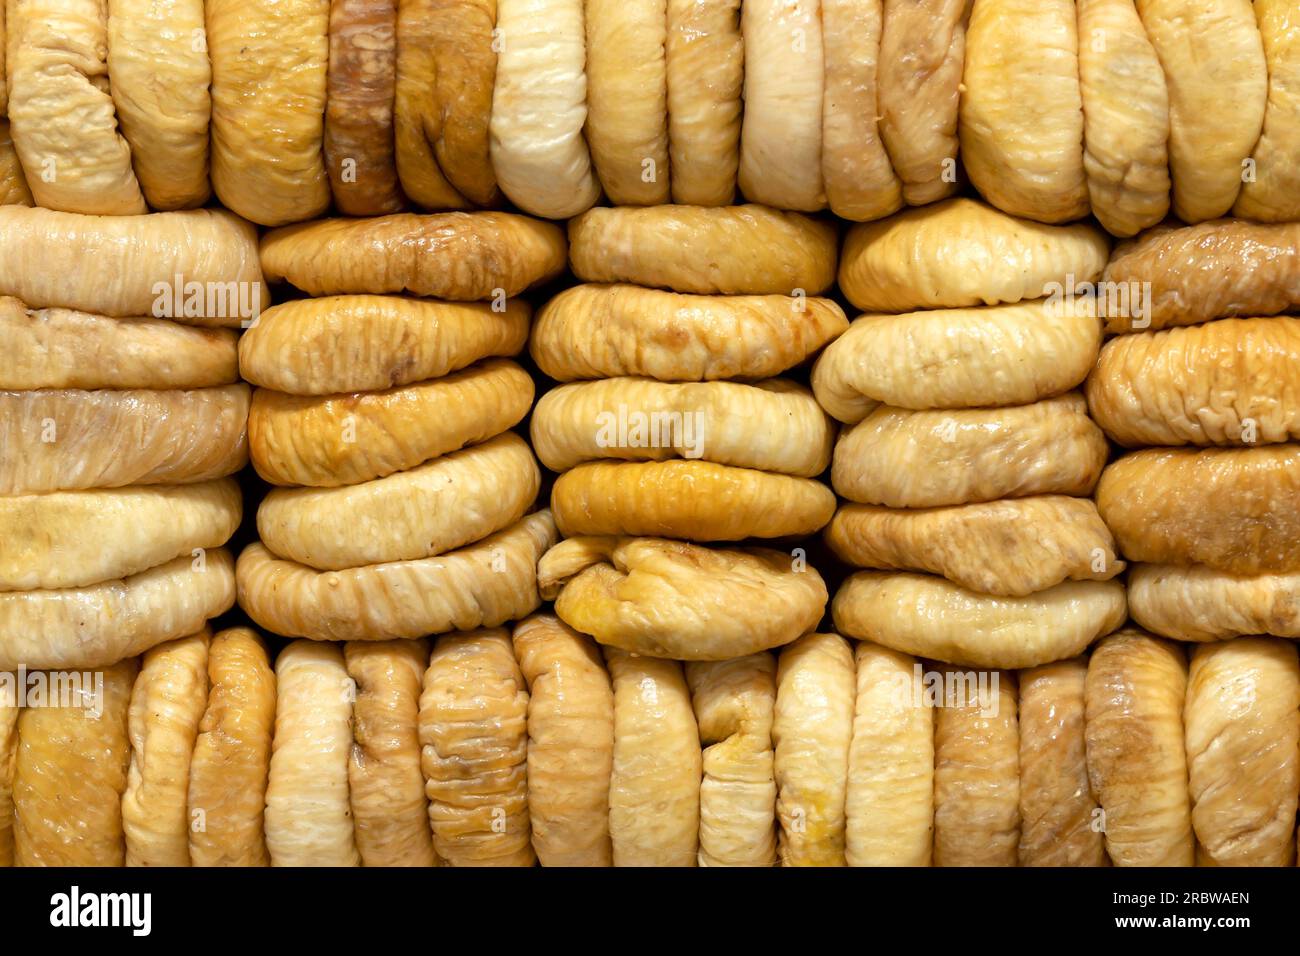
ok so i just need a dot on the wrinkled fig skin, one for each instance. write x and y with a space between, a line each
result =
734 703
812 731
96 625
1274 193
303 440
931 617
8 749
462 256
785 83
1196 603
602 331
1125 118
270 63
859 180
774 425
922 51
483 585
654 789
1136 762
167 703
696 500
1213 59
431 509
685 601
1022 110
390 814
889 800
308 812
958 358
570 742
63 348
977 771
350 343
473 728
733 250
1185 275
1229 382
963 253
69 439
704 58
1242 719
902 458
358 138
13 183
627 99
1230 509
1060 819
232 753
69 777
1013 547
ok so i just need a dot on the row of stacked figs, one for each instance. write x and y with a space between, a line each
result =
404 508
282 107
493 748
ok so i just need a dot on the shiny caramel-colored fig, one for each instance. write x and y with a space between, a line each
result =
734 703
433 508
463 256
61 114
963 253
977 770
70 773
390 814
732 250
695 500
1136 762
930 617
13 181
1184 275
570 742
1231 509
485 584
159 76
539 108
627 99
96 625
785 82
603 331
331 440
8 748
1234 381
167 703
812 731
904 458
270 64
1242 725
473 729
704 57
358 135
674 599
1014 547
654 790
1059 816
351 343
1125 118
70 439
958 358
71 539
232 753
63 348
773 425
1022 110
308 811
1214 65
889 800
1196 603
128 265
